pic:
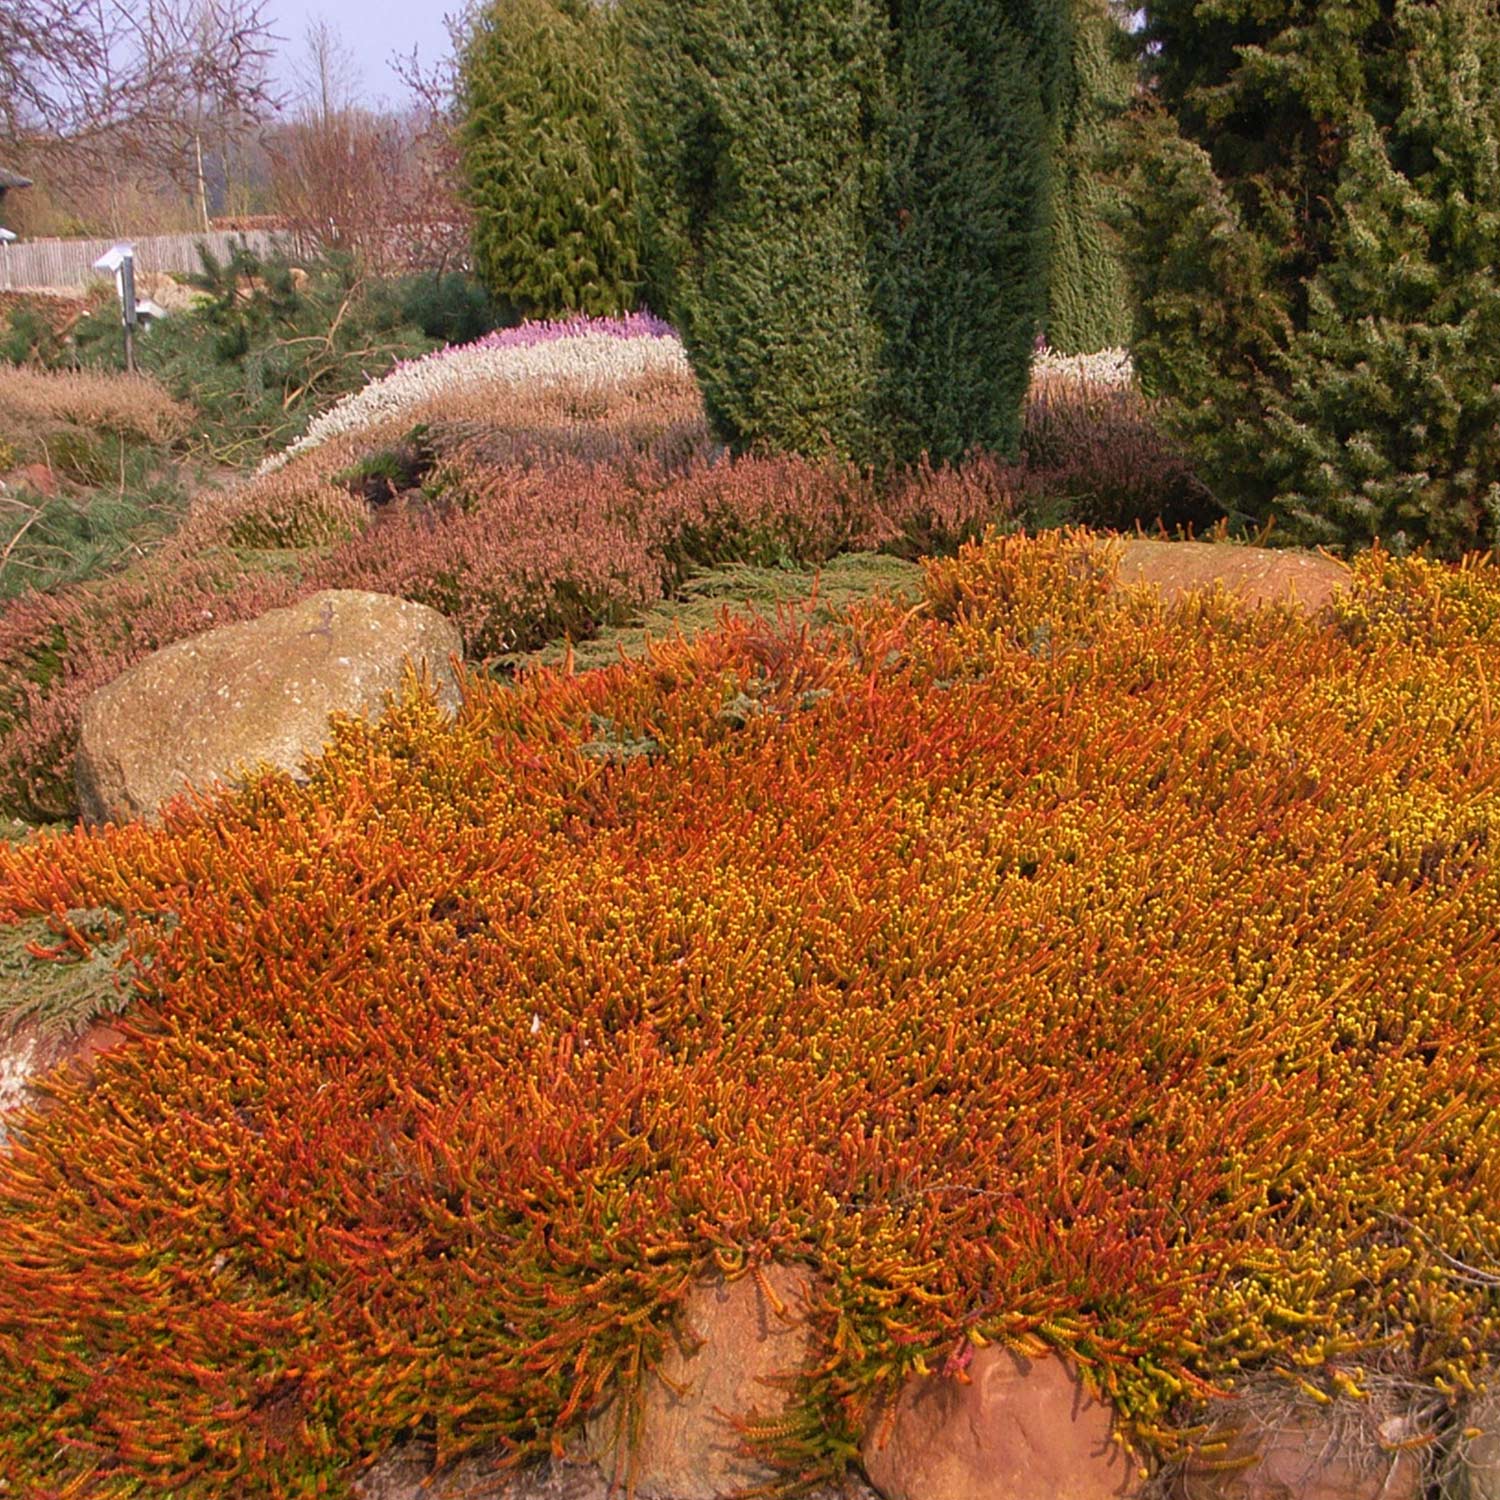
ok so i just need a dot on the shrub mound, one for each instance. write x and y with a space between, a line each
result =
1049 966
133 406
515 556
554 479
594 354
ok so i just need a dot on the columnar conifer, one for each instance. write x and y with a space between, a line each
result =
961 251
1088 300
548 158
846 204
759 151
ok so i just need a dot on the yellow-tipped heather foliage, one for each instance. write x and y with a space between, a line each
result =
1049 965
134 406
290 510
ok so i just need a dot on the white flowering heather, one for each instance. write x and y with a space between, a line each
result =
585 353
1107 367
541 331
590 354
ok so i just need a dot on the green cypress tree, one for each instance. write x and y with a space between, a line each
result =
1088 305
547 157
1314 221
961 248
758 125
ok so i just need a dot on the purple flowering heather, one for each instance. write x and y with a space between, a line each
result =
641 325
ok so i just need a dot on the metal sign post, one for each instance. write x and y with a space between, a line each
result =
127 308
121 260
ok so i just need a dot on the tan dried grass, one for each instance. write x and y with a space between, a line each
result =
131 405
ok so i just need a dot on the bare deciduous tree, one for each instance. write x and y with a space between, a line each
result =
86 78
368 185
327 75
381 186
443 218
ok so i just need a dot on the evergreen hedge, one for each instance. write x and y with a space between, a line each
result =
1088 304
846 207
961 248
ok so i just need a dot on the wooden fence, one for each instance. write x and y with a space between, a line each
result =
58 264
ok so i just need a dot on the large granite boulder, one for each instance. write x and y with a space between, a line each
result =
208 708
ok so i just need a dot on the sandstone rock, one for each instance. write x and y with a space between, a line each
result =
1257 575
214 705
29 1050
1475 1468
1291 1450
1021 1429
35 477
732 1342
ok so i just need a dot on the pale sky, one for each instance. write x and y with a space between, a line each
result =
372 30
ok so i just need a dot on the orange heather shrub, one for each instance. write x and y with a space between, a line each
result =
1055 967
